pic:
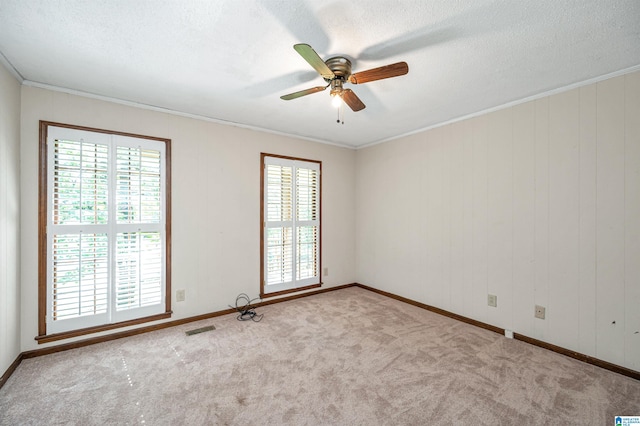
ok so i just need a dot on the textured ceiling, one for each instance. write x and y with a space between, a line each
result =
231 60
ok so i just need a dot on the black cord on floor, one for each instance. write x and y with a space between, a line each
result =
245 310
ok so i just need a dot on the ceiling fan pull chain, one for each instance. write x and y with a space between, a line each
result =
340 114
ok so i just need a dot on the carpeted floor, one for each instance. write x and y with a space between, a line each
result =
347 357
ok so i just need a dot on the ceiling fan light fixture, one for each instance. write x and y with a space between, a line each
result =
336 100
336 92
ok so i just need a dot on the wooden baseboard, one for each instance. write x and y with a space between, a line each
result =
576 355
10 370
119 335
307 294
92 341
434 309
580 357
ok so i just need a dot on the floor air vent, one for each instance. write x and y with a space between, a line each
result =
200 330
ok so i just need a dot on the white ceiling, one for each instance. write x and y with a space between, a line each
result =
231 60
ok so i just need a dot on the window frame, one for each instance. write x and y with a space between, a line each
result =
43 181
263 227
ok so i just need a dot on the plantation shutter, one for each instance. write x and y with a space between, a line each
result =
105 229
138 274
291 223
78 261
307 223
279 228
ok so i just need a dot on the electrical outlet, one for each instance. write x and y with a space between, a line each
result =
325 272
540 312
180 295
492 300
508 333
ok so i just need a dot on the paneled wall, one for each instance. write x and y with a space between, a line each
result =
215 200
9 219
538 204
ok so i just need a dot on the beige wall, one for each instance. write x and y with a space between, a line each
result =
9 219
215 196
537 204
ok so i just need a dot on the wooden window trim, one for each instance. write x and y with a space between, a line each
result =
264 295
42 336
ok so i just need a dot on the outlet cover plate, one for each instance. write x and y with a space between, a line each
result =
492 300
540 312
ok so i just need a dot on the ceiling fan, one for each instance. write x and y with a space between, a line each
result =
336 71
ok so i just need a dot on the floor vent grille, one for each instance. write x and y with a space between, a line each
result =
200 330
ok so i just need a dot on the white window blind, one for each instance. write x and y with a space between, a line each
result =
291 224
105 228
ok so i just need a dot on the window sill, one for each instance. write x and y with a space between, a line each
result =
89 330
293 290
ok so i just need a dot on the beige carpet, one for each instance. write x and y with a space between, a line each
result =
348 357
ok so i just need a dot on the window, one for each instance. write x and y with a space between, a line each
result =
104 232
290 212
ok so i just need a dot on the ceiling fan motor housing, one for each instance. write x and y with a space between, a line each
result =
340 66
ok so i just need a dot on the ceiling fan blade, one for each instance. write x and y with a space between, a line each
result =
387 71
351 99
301 93
314 60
